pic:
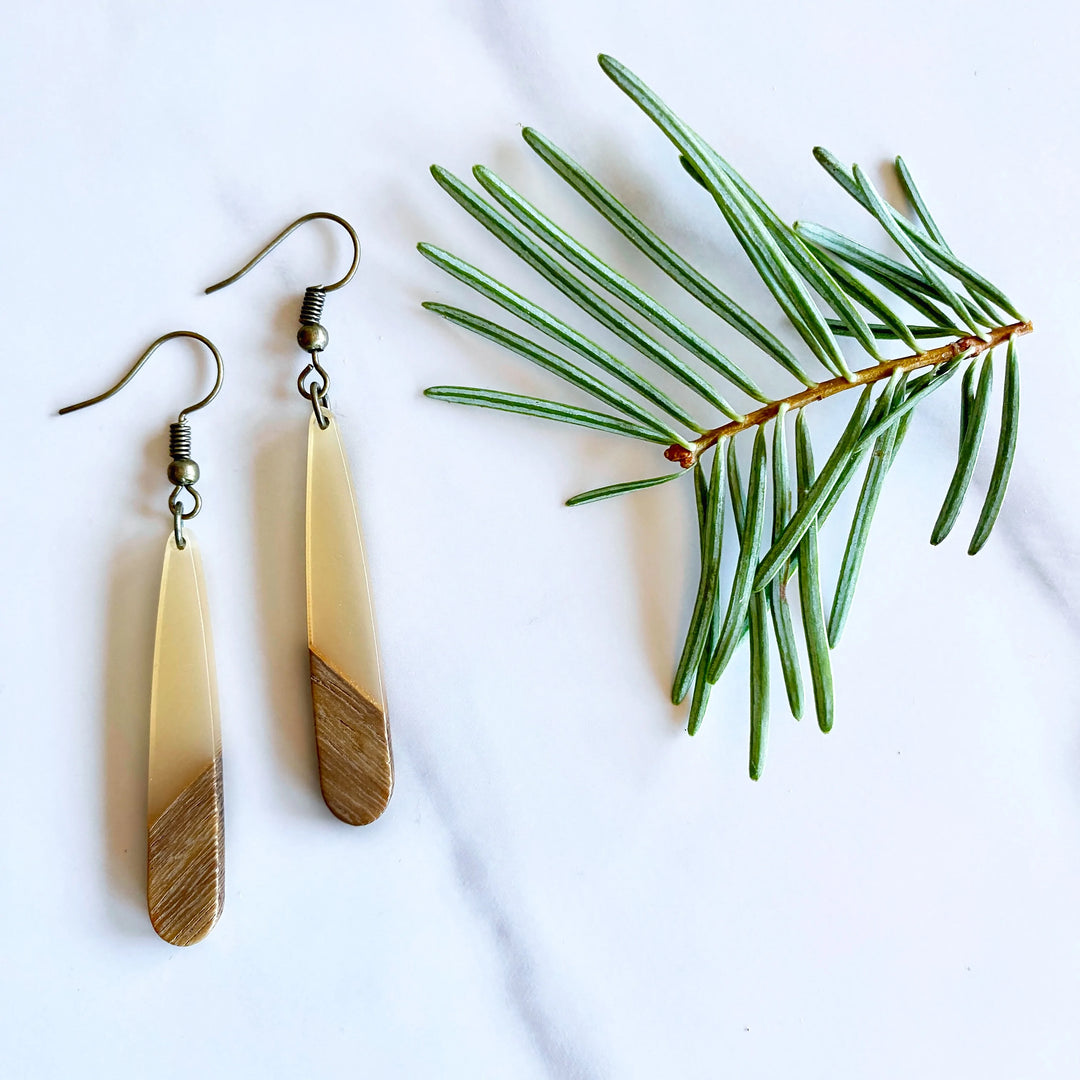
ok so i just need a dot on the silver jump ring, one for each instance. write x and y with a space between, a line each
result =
320 417
178 527
313 368
175 504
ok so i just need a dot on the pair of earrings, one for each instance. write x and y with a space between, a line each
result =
185 805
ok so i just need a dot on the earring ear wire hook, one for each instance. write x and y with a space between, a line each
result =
287 232
142 360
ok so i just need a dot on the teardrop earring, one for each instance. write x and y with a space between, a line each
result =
352 735
185 877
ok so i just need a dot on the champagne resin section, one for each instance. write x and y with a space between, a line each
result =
351 730
185 848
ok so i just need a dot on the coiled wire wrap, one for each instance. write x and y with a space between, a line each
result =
180 440
311 308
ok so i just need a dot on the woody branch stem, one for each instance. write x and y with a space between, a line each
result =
972 345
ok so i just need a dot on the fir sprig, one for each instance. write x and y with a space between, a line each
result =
830 288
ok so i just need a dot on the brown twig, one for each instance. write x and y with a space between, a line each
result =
972 345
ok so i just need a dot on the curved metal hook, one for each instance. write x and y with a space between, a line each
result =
287 232
146 356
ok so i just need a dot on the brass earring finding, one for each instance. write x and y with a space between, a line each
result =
352 734
185 879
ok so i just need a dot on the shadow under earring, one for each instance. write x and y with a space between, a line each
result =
352 734
185 875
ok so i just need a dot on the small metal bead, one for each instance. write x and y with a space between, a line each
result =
183 471
312 337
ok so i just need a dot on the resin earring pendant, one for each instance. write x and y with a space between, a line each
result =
185 867
352 734
356 768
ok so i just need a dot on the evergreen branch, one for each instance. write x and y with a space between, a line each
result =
796 263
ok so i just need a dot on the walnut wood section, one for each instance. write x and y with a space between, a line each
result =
353 741
356 763
185 880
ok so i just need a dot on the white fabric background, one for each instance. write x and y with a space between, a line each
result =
564 885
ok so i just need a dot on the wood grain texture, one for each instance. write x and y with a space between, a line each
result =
356 763
185 870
